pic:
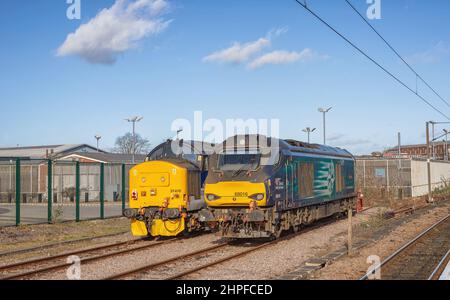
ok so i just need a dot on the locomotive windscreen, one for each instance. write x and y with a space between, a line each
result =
239 161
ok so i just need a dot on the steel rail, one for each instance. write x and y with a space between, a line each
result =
54 257
404 247
321 223
56 244
440 267
240 254
84 260
160 263
243 253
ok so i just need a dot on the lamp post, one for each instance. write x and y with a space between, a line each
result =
134 120
98 137
324 112
308 130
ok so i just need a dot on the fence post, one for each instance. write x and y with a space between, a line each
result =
350 231
123 186
49 191
102 191
77 191
364 173
18 192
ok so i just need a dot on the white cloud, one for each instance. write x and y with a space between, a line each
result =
245 53
238 53
341 140
277 32
115 30
433 55
285 57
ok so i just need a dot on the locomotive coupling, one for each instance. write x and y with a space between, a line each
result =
130 213
205 215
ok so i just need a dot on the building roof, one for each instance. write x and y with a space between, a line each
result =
43 151
105 157
436 143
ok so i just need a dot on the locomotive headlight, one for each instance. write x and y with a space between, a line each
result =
257 197
212 197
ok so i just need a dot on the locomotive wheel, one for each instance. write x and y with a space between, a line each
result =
278 232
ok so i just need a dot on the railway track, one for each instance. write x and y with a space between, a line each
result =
52 263
188 263
56 244
199 260
168 269
417 259
438 273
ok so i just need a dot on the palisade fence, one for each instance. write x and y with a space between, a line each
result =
36 191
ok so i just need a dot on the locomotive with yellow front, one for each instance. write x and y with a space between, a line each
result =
166 190
257 187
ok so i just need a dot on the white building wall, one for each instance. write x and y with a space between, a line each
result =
440 172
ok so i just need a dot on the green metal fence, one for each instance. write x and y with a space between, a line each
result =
36 191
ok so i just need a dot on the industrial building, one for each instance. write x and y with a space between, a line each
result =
438 151
34 172
398 178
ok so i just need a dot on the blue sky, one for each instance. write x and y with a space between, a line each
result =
48 98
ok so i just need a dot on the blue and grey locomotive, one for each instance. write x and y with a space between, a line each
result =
259 186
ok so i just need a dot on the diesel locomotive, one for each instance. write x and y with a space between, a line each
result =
258 186
166 190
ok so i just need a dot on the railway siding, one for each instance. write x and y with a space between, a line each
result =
382 242
418 260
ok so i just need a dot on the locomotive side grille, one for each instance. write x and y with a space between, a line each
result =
306 179
194 188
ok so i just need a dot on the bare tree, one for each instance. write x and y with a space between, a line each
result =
124 144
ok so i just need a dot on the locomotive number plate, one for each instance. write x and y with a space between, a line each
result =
241 194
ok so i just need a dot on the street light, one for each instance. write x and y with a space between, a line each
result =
98 137
308 130
324 111
134 120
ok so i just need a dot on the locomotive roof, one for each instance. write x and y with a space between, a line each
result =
248 141
196 147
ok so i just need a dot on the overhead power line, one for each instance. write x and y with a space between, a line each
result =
371 59
396 52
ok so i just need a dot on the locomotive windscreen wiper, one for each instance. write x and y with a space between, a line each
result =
245 167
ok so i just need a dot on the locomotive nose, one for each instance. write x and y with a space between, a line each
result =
235 194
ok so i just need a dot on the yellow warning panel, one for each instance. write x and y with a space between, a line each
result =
167 228
138 228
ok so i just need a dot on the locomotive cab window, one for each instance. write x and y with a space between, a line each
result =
239 161
306 179
190 157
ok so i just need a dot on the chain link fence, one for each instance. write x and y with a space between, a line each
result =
45 191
